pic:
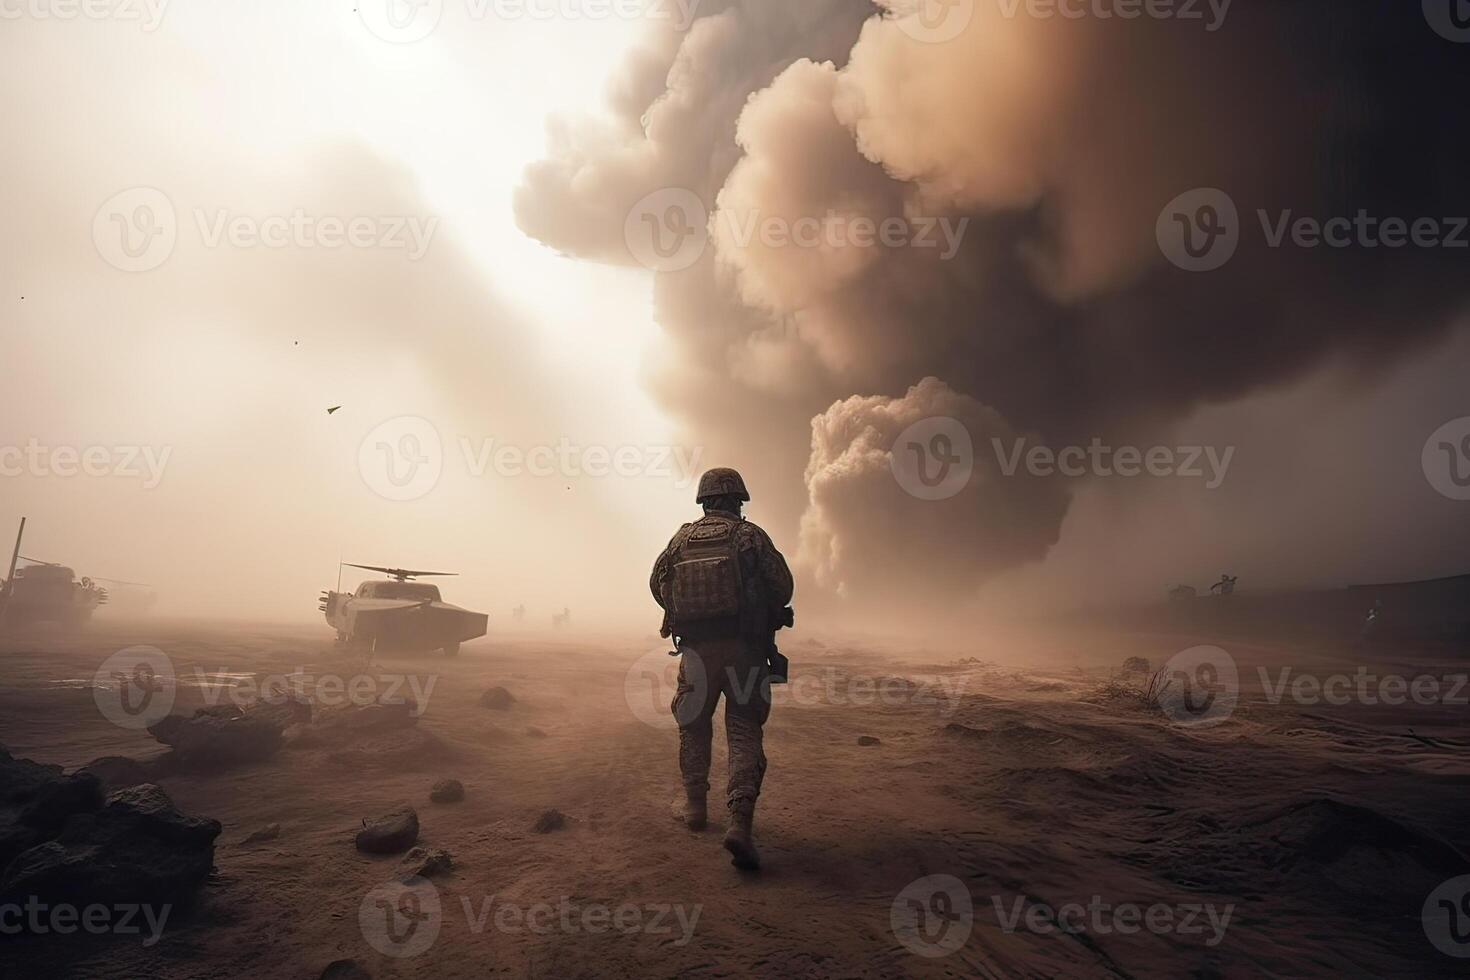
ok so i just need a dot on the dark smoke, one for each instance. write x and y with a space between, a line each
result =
1060 141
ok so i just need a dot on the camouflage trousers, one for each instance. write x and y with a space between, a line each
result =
736 669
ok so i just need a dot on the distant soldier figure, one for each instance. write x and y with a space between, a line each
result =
519 613
724 589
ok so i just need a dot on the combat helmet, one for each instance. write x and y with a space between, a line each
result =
721 482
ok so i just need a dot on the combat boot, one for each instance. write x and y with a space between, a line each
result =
738 840
696 813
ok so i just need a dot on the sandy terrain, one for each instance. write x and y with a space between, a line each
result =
1289 840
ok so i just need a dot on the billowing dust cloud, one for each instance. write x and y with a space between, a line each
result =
1029 160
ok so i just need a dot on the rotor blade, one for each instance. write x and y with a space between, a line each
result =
118 581
408 572
37 561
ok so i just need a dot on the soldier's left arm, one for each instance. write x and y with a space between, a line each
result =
773 569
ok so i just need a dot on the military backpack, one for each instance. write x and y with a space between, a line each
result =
704 581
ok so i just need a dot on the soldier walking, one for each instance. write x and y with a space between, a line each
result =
724 589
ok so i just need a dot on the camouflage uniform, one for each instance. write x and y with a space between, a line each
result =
728 657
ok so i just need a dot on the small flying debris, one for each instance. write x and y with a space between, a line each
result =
333 409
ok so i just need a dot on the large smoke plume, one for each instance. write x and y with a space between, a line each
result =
1054 143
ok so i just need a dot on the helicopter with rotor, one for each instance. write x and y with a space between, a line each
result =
399 614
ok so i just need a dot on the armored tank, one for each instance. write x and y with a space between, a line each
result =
45 592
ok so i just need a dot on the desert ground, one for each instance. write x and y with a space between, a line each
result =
1286 840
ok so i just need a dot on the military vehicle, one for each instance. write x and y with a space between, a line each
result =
399 614
45 592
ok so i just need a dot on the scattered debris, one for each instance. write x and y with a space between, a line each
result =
497 699
535 732
447 791
380 716
390 833
221 735
426 864
267 833
549 821
346 970
869 740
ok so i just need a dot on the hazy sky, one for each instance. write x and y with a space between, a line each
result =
224 221
228 357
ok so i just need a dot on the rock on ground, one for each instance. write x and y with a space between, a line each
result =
427 864
36 801
497 699
390 833
549 821
267 833
221 735
138 848
447 791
